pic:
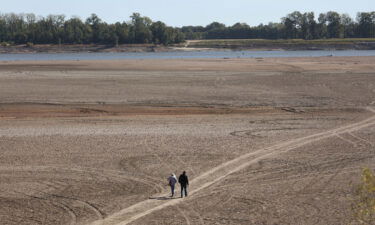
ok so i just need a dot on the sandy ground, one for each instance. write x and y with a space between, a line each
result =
264 141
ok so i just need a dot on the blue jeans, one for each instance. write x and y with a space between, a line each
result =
172 190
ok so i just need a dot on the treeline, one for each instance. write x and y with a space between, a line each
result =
294 25
55 29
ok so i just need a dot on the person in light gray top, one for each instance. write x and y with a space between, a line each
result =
172 180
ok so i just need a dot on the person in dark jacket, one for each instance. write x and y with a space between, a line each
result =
184 182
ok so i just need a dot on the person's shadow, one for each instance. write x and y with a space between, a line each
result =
161 198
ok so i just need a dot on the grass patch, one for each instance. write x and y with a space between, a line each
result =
364 203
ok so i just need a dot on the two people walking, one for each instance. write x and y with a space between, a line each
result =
182 179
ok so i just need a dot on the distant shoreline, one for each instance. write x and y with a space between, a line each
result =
285 44
201 45
82 48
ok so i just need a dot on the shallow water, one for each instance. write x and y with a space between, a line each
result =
180 55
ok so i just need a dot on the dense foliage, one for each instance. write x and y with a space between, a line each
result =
56 29
295 25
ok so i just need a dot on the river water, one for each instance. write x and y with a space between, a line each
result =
180 55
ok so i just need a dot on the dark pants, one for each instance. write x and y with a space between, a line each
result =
172 190
184 188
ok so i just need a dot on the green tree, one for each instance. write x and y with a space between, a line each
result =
311 26
140 29
159 33
215 26
179 37
304 26
321 28
122 32
334 29
96 26
239 30
292 23
31 27
193 32
3 29
76 32
349 27
366 24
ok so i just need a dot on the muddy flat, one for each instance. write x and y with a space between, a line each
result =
263 141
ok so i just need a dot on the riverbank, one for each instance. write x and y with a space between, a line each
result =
290 44
83 48
202 45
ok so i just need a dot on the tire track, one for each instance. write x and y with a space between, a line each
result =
156 182
63 206
66 201
192 210
276 149
83 203
343 172
346 140
182 162
86 204
372 109
71 212
105 173
162 162
120 176
151 149
188 221
296 178
361 139
200 218
220 172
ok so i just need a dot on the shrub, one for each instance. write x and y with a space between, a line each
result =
364 203
4 44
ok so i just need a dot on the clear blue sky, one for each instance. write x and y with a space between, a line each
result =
188 12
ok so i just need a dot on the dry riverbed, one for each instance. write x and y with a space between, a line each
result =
264 141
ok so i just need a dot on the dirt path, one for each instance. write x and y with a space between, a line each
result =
220 172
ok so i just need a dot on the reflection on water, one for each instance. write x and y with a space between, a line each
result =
180 55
